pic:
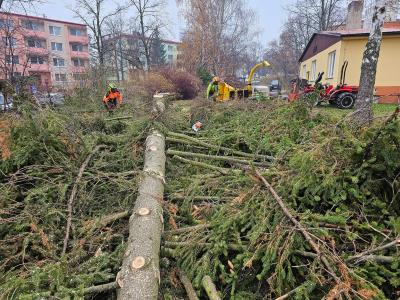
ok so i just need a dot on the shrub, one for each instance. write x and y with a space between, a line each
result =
185 84
155 82
167 80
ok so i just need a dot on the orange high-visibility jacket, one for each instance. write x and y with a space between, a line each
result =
111 96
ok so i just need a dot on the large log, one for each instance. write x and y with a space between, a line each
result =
139 277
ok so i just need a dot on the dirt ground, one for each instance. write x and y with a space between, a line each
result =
4 135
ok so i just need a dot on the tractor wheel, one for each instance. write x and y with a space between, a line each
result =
346 100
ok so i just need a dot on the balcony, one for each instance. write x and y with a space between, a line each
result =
39 68
34 34
80 54
38 51
79 39
78 69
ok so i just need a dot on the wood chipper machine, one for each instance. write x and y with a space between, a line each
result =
222 91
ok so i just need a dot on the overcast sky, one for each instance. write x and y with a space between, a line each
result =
270 16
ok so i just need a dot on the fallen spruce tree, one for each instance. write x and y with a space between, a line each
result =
333 233
321 221
67 191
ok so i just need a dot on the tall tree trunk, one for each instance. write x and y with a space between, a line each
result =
363 113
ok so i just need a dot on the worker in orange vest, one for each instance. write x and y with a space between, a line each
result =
113 98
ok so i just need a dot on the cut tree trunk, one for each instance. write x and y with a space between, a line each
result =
365 97
139 278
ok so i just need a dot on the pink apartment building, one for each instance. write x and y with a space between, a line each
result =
53 51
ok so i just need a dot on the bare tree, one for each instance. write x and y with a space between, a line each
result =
21 3
94 14
307 17
13 66
114 45
363 113
218 34
149 23
283 56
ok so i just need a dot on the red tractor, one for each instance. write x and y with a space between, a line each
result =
342 96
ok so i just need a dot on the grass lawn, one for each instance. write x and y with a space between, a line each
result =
380 110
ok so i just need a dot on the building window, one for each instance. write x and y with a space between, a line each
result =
10 41
36 60
78 62
34 43
54 30
170 48
170 58
6 24
35 26
14 59
56 46
313 70
331 64
75 32
61 77
77 47
304 73
59 62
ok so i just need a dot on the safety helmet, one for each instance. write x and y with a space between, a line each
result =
216 79
111 86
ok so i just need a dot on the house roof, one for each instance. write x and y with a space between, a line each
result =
331 37
362 32
41 18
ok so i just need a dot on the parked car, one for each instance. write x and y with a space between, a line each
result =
5 106
275 87
263 89
50 99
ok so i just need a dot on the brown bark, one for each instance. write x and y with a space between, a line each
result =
191 293
365 97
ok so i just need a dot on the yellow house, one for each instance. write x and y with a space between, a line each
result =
327 51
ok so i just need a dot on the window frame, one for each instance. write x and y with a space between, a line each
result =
32 25
304 71
39 60
7 39
76 30
79 47
81 62
52 27
58 59
6 23
12 59
36 43
55 48
313 70
58 77
331 64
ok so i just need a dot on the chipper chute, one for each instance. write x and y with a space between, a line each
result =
222 91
